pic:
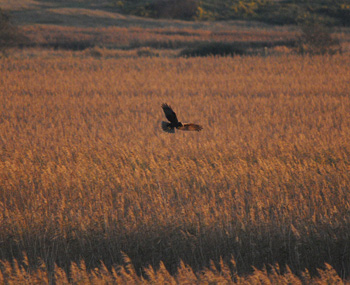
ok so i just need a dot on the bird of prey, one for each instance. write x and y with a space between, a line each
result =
174 123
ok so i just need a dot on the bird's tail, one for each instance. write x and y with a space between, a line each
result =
167 127
190 127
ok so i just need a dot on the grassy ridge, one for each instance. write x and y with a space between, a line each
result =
86 173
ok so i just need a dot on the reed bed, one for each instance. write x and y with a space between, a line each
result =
88 181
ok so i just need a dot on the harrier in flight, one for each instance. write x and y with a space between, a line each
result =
174 123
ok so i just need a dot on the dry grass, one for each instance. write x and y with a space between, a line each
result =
86 172
126 274
134 37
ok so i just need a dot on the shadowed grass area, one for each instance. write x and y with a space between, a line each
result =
231 48
215 48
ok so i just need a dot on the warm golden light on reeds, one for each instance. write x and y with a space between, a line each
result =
87 173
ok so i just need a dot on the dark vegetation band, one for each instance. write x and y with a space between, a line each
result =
274 12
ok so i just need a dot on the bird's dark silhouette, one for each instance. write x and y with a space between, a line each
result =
174 123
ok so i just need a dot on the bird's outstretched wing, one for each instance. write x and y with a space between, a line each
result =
169 114
190 127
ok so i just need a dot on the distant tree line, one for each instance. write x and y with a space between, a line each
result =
329 12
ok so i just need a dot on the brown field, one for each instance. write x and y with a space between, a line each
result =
92 190
86 172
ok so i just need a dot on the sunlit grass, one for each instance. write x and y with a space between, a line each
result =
86 172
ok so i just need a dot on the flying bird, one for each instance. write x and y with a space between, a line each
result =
174 123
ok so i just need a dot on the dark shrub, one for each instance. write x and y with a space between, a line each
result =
180 9
316 38
68 44
214 48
